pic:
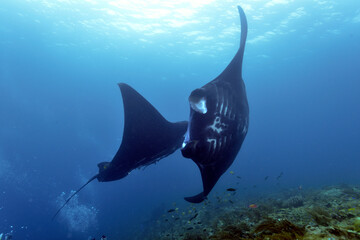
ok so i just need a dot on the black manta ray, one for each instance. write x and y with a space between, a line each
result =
147 138
219 120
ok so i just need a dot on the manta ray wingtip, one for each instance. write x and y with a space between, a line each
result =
197 198
120 84
240 9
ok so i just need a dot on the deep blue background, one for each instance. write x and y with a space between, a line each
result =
61 111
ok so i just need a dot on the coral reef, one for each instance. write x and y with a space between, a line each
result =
332 212
295 201
280 230
320 215
231 232
356 224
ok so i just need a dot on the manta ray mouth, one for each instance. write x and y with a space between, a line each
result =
199 106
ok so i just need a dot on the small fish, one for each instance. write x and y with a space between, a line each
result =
231 202
254 186
266 178
351 209
238 177
231 189
199 222
177 218
189 228
232 172
192 218
280 175
171 210
253 206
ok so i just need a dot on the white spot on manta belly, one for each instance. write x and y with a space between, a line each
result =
244 130
215 128
212 140
221 107
199 106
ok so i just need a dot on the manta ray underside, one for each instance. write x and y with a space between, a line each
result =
219 120
147 138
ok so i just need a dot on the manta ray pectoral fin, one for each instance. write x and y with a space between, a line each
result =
147 136
235 66
209 176
196 199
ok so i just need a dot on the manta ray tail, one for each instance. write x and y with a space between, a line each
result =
90 180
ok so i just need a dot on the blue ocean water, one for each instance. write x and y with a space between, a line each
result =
61 111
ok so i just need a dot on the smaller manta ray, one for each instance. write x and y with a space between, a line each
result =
219 120
147 138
